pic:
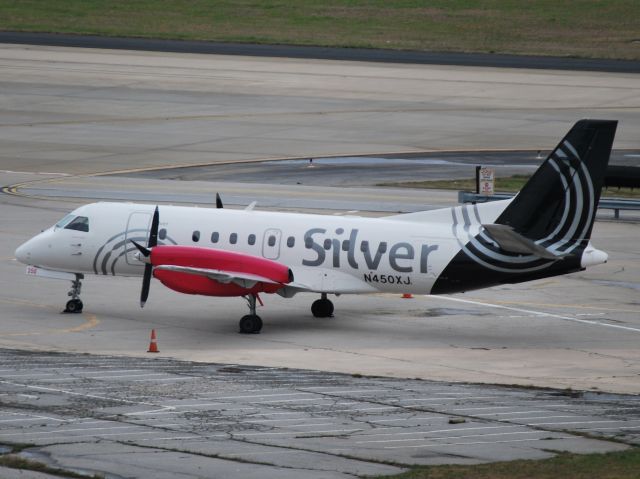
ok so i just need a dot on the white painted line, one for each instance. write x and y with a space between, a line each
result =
573 422
10 413
473 443
263 453
39 173
451 398
260 421
62 431
443 417
506 407
513 413
546 417
255 396
24 419
621 428
186 378
541 314
110 371
433 439
184 438
508 426
125 376
73 393
57 380
289 433
292 400
356 391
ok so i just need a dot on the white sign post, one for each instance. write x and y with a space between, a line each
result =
486 180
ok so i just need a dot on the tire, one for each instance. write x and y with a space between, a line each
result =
250 324
322 308
74 306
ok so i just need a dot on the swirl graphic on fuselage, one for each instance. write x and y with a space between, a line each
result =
118 246
577 206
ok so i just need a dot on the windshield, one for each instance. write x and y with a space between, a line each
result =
79 223
63 222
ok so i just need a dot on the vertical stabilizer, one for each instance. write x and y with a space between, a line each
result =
545 230
557 206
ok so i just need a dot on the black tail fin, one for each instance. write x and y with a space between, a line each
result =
557 206
545 229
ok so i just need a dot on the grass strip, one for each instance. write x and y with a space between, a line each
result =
613 465
510 184
580 28
14 461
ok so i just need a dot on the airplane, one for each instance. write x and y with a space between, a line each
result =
543 231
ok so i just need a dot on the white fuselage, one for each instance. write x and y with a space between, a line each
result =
337 254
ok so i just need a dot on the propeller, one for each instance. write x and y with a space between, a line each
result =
219 201
146 253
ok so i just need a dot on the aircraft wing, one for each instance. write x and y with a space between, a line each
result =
244 280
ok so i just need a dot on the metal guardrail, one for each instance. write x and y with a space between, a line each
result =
615 204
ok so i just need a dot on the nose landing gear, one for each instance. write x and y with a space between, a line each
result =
74 305
322 308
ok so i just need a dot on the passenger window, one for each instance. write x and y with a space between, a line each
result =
195 237
79 223
215 236
327 244
162 234
345 245
291 241
272 240
364 246
252 239
233 239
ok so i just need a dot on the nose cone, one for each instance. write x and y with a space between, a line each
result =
23 253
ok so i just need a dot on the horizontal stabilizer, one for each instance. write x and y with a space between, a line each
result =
513 242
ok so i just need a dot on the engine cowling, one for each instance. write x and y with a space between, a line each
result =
215 259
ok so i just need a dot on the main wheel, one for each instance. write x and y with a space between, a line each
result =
250 324
74 306
322 308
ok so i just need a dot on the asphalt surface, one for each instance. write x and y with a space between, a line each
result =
67 115
162 418
324 53
369 170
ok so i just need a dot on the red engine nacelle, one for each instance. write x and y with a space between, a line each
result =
226 261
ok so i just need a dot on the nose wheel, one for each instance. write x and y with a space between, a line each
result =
74 305
322 308
251 323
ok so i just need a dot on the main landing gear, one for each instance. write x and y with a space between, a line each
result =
322 308
74 305
251 323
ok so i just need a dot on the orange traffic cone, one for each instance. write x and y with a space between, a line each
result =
153 345
407 296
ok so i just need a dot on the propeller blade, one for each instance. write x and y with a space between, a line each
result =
146 283
144 251
153 234
219 201
148 268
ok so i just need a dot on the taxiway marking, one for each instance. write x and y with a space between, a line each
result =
540 313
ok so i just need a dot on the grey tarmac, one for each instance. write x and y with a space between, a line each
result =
158 417
67 115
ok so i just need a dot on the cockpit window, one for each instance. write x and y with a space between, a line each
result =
79 223
63 222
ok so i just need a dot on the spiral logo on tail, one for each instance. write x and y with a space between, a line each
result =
577 205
